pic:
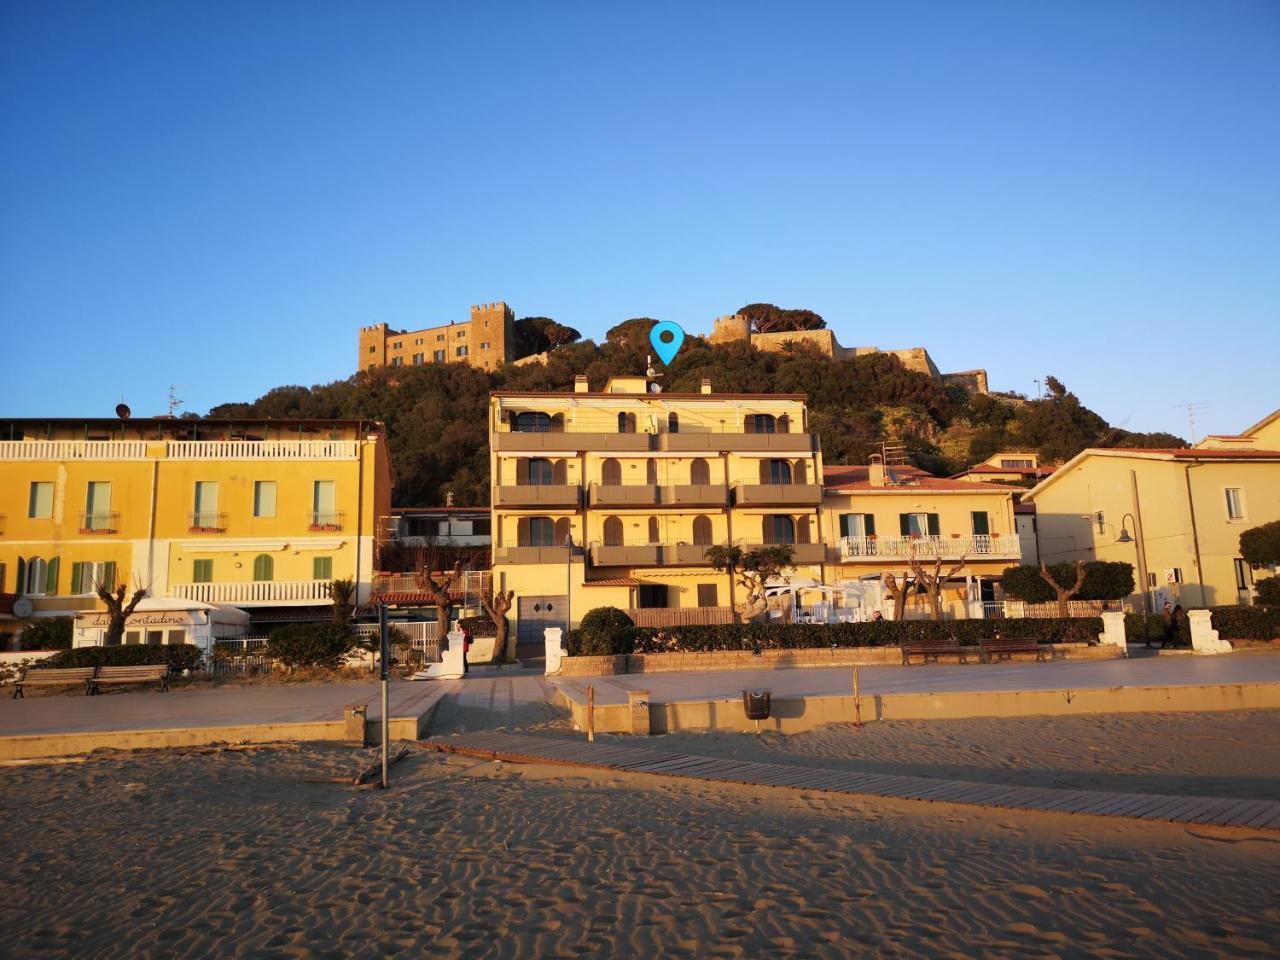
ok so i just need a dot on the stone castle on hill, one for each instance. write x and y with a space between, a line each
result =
487 341
737 327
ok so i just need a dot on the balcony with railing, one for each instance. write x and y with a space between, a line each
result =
725 441
625 495
594 437
73 450
646 553
262 592
206 521
538 495
531 553
601 433
778 494
98 523
263 449
994 546
325 522
800 552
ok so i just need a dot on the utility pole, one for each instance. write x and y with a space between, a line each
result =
383 637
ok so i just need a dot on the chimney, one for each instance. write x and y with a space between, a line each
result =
448 499
705 385
580 384
875 471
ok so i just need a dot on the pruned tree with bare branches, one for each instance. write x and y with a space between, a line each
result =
118 610
497 608
1064 593
933 580
899 590
439 586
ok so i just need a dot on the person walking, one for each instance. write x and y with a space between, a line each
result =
1166 619
1175 633
466 646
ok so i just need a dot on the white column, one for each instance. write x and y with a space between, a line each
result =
1204 639
552 637
1112 634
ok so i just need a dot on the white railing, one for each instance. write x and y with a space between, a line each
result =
1015 609
73 450
1000 545
262 449
258 591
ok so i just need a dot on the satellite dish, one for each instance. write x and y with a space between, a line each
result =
123 411
22 607
655 388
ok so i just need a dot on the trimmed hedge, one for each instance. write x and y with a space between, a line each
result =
1268 591
181 656
47 633
605 631
880 633
480 626
1245 623
1103 580
311 644
1143 627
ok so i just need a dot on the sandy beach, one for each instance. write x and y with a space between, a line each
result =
184 854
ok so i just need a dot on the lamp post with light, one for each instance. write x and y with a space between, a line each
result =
1142 554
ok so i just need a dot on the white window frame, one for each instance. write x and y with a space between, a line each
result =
1240 503
34 507
36 565
258 487
924 527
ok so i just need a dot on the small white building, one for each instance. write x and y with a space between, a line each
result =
158 621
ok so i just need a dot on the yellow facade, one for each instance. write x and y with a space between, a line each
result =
249 514
1017 466
641 483
1182 510
486 341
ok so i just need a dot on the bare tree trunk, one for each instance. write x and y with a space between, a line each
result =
932 582
497 609
1064 593
117 610
438 584
898 591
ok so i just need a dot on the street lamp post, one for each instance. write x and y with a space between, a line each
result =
1141 549
568 582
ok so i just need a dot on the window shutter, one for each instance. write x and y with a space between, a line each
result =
522 532
322 568
559 473
77 577
869 524
904 524
522 473
801 472
20 587
844 524
934 527
767 523
109 575
981 524
766 471
749 423
51 579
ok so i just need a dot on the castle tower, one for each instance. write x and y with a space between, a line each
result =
729 329
492 335
373 347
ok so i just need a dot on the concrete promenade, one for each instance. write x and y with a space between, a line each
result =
804 699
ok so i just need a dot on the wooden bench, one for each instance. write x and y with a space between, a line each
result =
144 673
933 649
53 677
1003 648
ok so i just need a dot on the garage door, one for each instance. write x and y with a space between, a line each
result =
534 614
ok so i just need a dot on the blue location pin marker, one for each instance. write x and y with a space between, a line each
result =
667 338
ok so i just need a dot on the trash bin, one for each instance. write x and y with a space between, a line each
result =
756 704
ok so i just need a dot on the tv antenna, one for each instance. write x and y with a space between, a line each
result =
1191 409
174 402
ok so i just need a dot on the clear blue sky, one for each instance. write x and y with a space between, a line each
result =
218 194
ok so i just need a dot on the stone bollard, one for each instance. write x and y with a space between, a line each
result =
553 639
1204 639
638 704
355 718
1112 634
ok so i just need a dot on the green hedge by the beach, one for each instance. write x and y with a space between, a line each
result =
179 657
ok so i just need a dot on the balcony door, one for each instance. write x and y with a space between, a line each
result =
775 471
699 472
97 506
611 473
324 502
205 505
612 532
779 529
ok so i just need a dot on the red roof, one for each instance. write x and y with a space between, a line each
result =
902 479
985 468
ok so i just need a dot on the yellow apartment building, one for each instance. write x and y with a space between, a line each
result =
876 517
260 515
1019 466
611 498
1176 514
486 341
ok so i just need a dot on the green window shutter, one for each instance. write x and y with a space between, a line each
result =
109 575
21 586
844 524
935 528
51 578
869 524
904 524
322 568
981 524
202 571
77 578
263 568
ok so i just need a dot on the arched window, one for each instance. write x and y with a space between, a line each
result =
264 568
562 531
801 472
559 473
784 424
673 423
775 471
531 421
535 532
653 529
802 530
541 473
612 532
611 473
702 530
651 472
626 423
779 529
759 423
699 472
36 579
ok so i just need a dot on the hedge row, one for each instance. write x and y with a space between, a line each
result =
480 626
1246 623
881 633
182 656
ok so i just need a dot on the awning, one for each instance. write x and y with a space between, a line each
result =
613 582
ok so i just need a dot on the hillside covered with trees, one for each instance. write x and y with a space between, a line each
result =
436 415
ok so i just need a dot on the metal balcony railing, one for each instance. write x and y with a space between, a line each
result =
996 545
206 521
329 522
99 523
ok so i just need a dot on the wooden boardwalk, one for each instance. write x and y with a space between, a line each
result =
523 748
